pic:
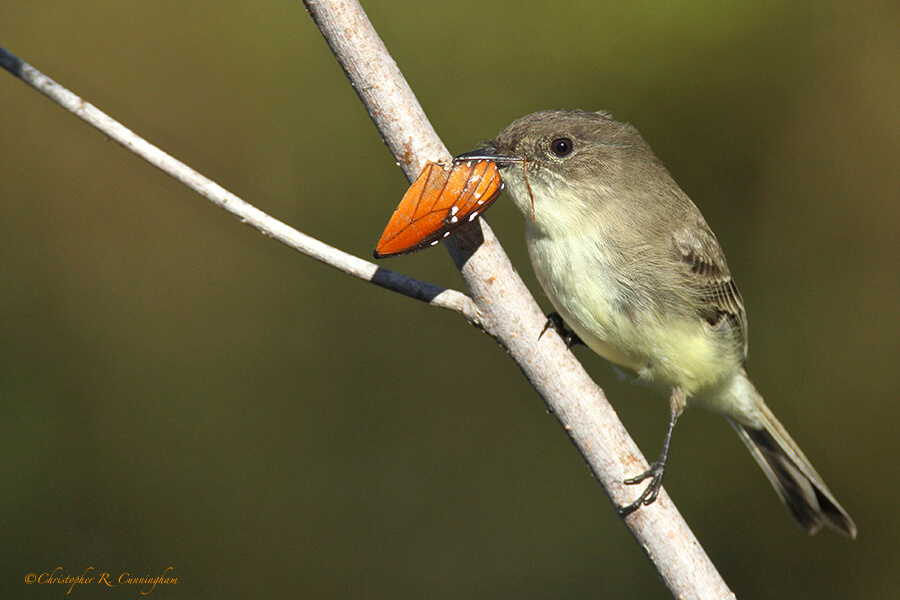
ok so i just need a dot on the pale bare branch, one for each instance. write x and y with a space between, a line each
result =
512 316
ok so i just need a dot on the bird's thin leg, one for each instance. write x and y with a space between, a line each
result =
657 469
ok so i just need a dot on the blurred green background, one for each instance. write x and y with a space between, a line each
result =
178 390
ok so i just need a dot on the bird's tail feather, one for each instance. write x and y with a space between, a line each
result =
794 478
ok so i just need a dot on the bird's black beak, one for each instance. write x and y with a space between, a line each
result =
486 153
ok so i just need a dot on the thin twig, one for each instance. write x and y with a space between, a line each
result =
247 213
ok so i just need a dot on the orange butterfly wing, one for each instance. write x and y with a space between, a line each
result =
439 202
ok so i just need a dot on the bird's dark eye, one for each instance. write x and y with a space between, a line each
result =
561 146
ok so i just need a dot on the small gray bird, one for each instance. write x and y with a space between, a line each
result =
631 266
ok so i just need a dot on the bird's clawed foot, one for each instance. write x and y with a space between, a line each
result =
655 474
556 323
657 469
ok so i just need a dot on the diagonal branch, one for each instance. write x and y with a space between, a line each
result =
510 313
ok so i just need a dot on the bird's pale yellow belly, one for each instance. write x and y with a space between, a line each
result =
666 349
